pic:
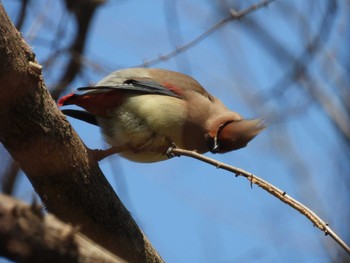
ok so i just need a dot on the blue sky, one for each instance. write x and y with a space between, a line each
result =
190 211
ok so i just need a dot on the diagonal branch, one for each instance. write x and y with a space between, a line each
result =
281 195
234 15
84 12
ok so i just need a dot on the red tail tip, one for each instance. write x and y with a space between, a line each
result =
65 100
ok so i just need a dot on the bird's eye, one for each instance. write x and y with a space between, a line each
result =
129 81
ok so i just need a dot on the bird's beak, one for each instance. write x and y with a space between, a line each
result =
212 141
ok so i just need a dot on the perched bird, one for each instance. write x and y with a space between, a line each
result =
142 112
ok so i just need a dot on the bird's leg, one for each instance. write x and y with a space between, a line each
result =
169 153
101 154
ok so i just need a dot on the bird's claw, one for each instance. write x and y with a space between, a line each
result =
169 152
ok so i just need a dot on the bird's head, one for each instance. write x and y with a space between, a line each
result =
233 135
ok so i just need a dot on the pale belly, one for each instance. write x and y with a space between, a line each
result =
145 127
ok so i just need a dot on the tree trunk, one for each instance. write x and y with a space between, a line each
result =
61 169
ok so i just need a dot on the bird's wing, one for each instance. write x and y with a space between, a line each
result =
134 85
99 100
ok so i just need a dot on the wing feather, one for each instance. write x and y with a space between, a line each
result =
143 85
81 115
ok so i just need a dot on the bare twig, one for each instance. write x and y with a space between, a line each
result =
8 179
281 195
22 14
234 15
84 12
239 14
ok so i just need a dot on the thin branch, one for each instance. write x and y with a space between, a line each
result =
9 177
239 14
84 12
281 195
22 14
335 112
308 55
234 15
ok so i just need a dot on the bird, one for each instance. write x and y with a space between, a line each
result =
143 111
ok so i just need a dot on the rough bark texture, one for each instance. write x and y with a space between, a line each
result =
61 169
27 235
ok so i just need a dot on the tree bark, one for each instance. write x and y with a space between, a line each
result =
61 169
28 235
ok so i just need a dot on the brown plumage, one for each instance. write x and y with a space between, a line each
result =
142 112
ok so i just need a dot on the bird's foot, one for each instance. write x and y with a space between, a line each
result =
169 152
99 154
